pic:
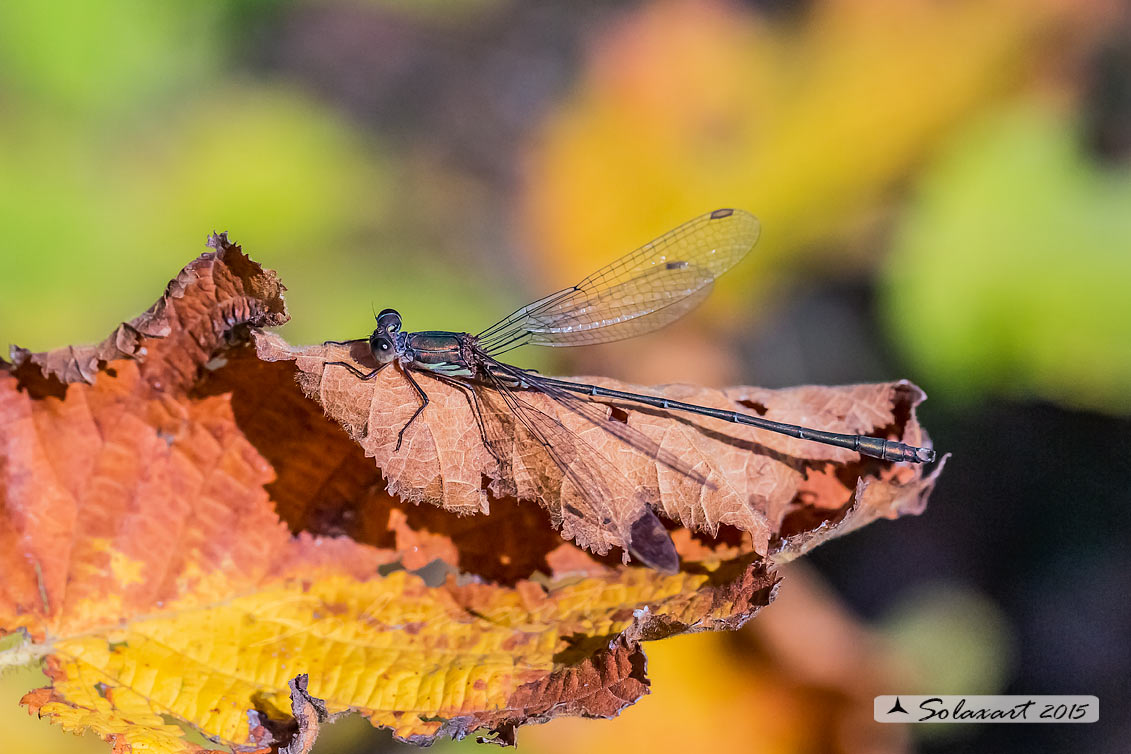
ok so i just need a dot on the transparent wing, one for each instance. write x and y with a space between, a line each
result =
594 482
645 290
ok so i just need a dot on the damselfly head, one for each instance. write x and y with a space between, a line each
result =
389 321
383 341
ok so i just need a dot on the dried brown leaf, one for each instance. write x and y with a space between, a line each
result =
785 494
179 332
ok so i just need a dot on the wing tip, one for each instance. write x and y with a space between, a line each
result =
650 543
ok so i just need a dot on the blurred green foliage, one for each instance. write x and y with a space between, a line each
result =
93 59
1011 271
956 640
95 226
129 135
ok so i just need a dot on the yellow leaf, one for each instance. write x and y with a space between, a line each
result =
687 105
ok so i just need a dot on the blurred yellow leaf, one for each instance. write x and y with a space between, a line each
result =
687 106
798 680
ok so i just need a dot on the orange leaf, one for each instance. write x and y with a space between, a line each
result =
184 534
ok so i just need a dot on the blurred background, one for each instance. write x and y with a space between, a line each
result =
945 190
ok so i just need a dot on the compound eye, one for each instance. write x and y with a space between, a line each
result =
382 346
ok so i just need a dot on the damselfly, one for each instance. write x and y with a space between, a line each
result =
647 289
